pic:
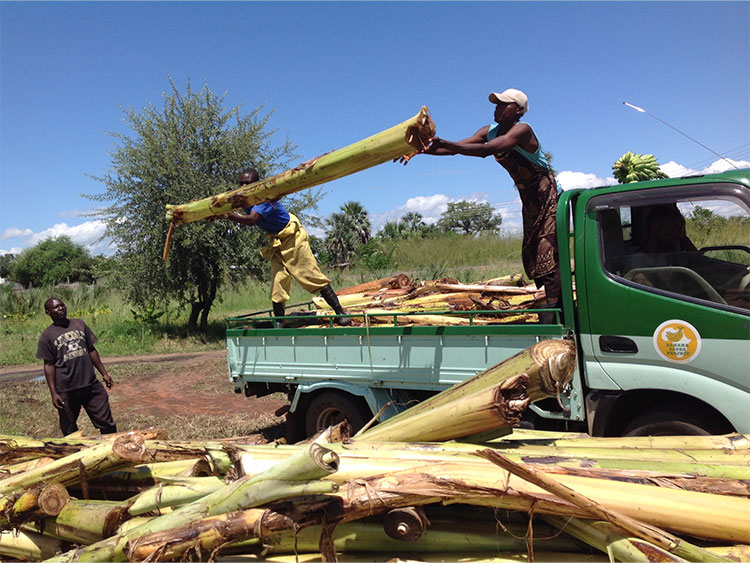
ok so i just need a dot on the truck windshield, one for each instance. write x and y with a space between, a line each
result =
692 245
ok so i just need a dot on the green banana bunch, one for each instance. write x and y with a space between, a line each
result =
637 168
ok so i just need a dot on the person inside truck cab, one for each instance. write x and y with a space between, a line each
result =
665 228
515 146
665 259
289 252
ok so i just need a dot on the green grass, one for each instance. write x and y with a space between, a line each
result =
120 334
465 258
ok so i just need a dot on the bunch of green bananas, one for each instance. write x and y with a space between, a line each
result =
637 168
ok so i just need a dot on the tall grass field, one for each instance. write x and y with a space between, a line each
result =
120 333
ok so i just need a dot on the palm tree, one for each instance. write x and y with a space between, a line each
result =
391 231
358 220
413 222
347 231
341 241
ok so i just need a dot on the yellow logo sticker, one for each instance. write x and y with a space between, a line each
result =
677 341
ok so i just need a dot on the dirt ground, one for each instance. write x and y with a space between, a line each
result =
194 383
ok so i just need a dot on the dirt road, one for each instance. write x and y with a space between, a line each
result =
19 373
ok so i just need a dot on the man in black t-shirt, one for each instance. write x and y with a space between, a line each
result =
67 348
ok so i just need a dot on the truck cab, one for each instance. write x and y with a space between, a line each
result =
663 324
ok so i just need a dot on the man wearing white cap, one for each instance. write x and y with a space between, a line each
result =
515 146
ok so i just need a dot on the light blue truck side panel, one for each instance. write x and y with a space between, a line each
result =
370 363
403 361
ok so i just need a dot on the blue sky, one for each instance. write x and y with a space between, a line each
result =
337 72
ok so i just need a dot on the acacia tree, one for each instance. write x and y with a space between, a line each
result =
190 148
470 217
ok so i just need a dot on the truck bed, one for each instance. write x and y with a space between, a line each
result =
429 358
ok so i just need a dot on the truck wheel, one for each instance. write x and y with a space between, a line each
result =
667 424
330 408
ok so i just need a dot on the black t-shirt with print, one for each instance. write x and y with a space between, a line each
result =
68 348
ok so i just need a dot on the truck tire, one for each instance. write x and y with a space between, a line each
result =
331 407
668 424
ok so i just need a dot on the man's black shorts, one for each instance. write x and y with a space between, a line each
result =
95 401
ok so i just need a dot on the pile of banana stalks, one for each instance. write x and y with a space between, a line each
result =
412 488
400 300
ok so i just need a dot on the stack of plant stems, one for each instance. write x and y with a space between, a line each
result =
392 494
45 499
376 477
95 460
26 545
485 299
298 475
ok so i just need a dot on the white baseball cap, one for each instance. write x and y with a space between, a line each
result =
511 95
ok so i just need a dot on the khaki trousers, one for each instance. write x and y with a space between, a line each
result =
291 257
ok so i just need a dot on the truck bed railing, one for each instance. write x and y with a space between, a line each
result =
266 316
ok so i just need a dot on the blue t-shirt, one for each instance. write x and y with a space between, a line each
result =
273 216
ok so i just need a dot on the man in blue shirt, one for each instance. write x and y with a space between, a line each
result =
289 253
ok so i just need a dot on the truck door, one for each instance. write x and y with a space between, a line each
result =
667 308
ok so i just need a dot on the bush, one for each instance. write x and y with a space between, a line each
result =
52 261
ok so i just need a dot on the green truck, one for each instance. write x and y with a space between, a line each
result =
662 337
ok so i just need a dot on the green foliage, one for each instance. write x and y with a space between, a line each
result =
453 251
148 316
347 231
52 261
6 262
190 148
410 226
19 305
376 258
706 228
469 217
318 247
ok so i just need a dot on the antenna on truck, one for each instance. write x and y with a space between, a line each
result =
639 109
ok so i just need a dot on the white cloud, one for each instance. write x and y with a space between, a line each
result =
87 234
511 214
13 232
675 170
569 180
430 207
